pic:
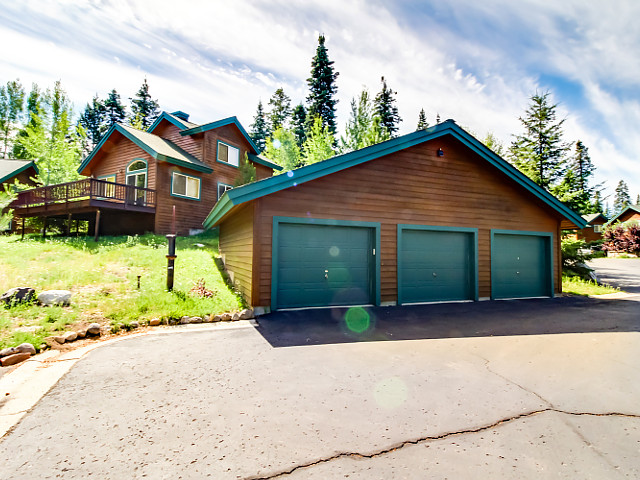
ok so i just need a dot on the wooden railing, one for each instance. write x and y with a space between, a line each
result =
86 189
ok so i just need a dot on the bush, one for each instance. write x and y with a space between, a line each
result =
574 258
622 237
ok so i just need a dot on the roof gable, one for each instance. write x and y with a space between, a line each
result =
307 173
10 168
592 217
632 208
157 147
171 118
222 123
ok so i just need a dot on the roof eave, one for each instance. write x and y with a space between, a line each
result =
266 163
18 171
180 163
221 123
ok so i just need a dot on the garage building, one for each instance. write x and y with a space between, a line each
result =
427 217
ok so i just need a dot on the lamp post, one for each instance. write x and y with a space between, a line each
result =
171 258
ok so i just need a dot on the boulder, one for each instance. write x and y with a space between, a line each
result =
26 348
13 359
50 298
59 338
82 332
8 351
70 336
18 295
225 317
246 314
216 318
134 324
93 329
185 320
154 322
207 318
195 320
235 316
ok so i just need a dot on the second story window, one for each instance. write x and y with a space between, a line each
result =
228 154
185 186
597 228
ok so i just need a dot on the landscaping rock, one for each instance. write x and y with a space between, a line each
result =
93 329
59 338
207 318
18 295
26 348
8 351
154 322
51 298
82 333
185 320
134 324
70 336
216 318
235 316
225 317
246 314
13 359
195 320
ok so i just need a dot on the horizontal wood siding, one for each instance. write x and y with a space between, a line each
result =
236 247
189 143
413 186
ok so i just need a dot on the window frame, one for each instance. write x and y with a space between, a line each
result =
597 229
108 188
221 184
228 145
186 175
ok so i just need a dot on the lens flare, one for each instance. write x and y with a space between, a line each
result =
357 319
334 251
390 392
289 174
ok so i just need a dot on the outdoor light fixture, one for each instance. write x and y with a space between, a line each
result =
440 152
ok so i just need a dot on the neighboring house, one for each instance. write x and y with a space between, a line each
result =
593 230
137 177
632 212
429 216
22 171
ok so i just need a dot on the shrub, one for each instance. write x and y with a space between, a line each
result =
574 258
622 237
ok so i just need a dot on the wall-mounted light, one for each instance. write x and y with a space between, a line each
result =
440 152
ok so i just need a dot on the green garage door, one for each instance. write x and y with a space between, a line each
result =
521 265
322 265
436 265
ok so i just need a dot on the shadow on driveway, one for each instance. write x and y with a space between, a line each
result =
452 320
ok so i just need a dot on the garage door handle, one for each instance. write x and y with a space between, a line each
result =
326 274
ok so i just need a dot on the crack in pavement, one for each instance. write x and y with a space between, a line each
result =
418 441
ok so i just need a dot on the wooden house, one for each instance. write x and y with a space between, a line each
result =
631 212
426 217
137 179
12 171
593 230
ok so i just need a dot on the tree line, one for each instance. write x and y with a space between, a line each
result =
39 125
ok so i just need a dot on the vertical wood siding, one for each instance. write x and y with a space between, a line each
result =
236 246
413 186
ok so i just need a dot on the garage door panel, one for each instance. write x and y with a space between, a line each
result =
436 265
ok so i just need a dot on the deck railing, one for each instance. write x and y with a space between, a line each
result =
86 189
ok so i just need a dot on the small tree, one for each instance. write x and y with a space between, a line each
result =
246 172
259 129
422 120
319 143
622 198
280 109
299 124
493 144
11 108
283 150
6 197
144 109
574 258
114 111
386 109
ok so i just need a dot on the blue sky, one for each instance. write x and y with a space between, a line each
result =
475 62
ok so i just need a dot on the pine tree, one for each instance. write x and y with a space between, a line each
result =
319 143
33 112
622 198
359 123
114 111
283 150
322 88
596 205
638 200
93 121
385 108
422 121
299 124
280 109
246 172
540 152
11 108
576 181
144 110
259 129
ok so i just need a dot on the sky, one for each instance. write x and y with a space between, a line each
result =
477 62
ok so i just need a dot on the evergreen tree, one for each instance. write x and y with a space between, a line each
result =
437 118
93 121
422 121
385 108
246 172
596 205
359 123
577 191
319 143
114 111
493 144
540 152
259 129
144 109
622 198
33 113
322 88
283 150
299 124
377 133
638 200
280 109
11 108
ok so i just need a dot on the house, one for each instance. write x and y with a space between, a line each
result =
22 171
138 179
426 217
631 212
593 230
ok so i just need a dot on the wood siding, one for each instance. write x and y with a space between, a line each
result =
236 248
189 143
413 186
630 215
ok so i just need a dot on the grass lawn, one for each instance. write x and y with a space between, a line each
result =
103 278
577 286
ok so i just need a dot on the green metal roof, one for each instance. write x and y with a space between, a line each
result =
177 121
9 168
301 175
264 161
156 146
222 123
635 208
593 216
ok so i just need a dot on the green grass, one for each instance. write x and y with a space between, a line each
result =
577 286
103 278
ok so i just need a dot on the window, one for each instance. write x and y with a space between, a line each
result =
185 186
106 190
228 154
223 187
597 228
137 178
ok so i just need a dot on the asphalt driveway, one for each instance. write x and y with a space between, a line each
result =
623 273
527 389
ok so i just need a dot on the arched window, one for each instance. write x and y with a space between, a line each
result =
137 177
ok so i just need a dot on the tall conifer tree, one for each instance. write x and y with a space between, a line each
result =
114 111
280 109
299 124
144 109
322 88
11 108
622 198
386 109
93 121
422 121
259 129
